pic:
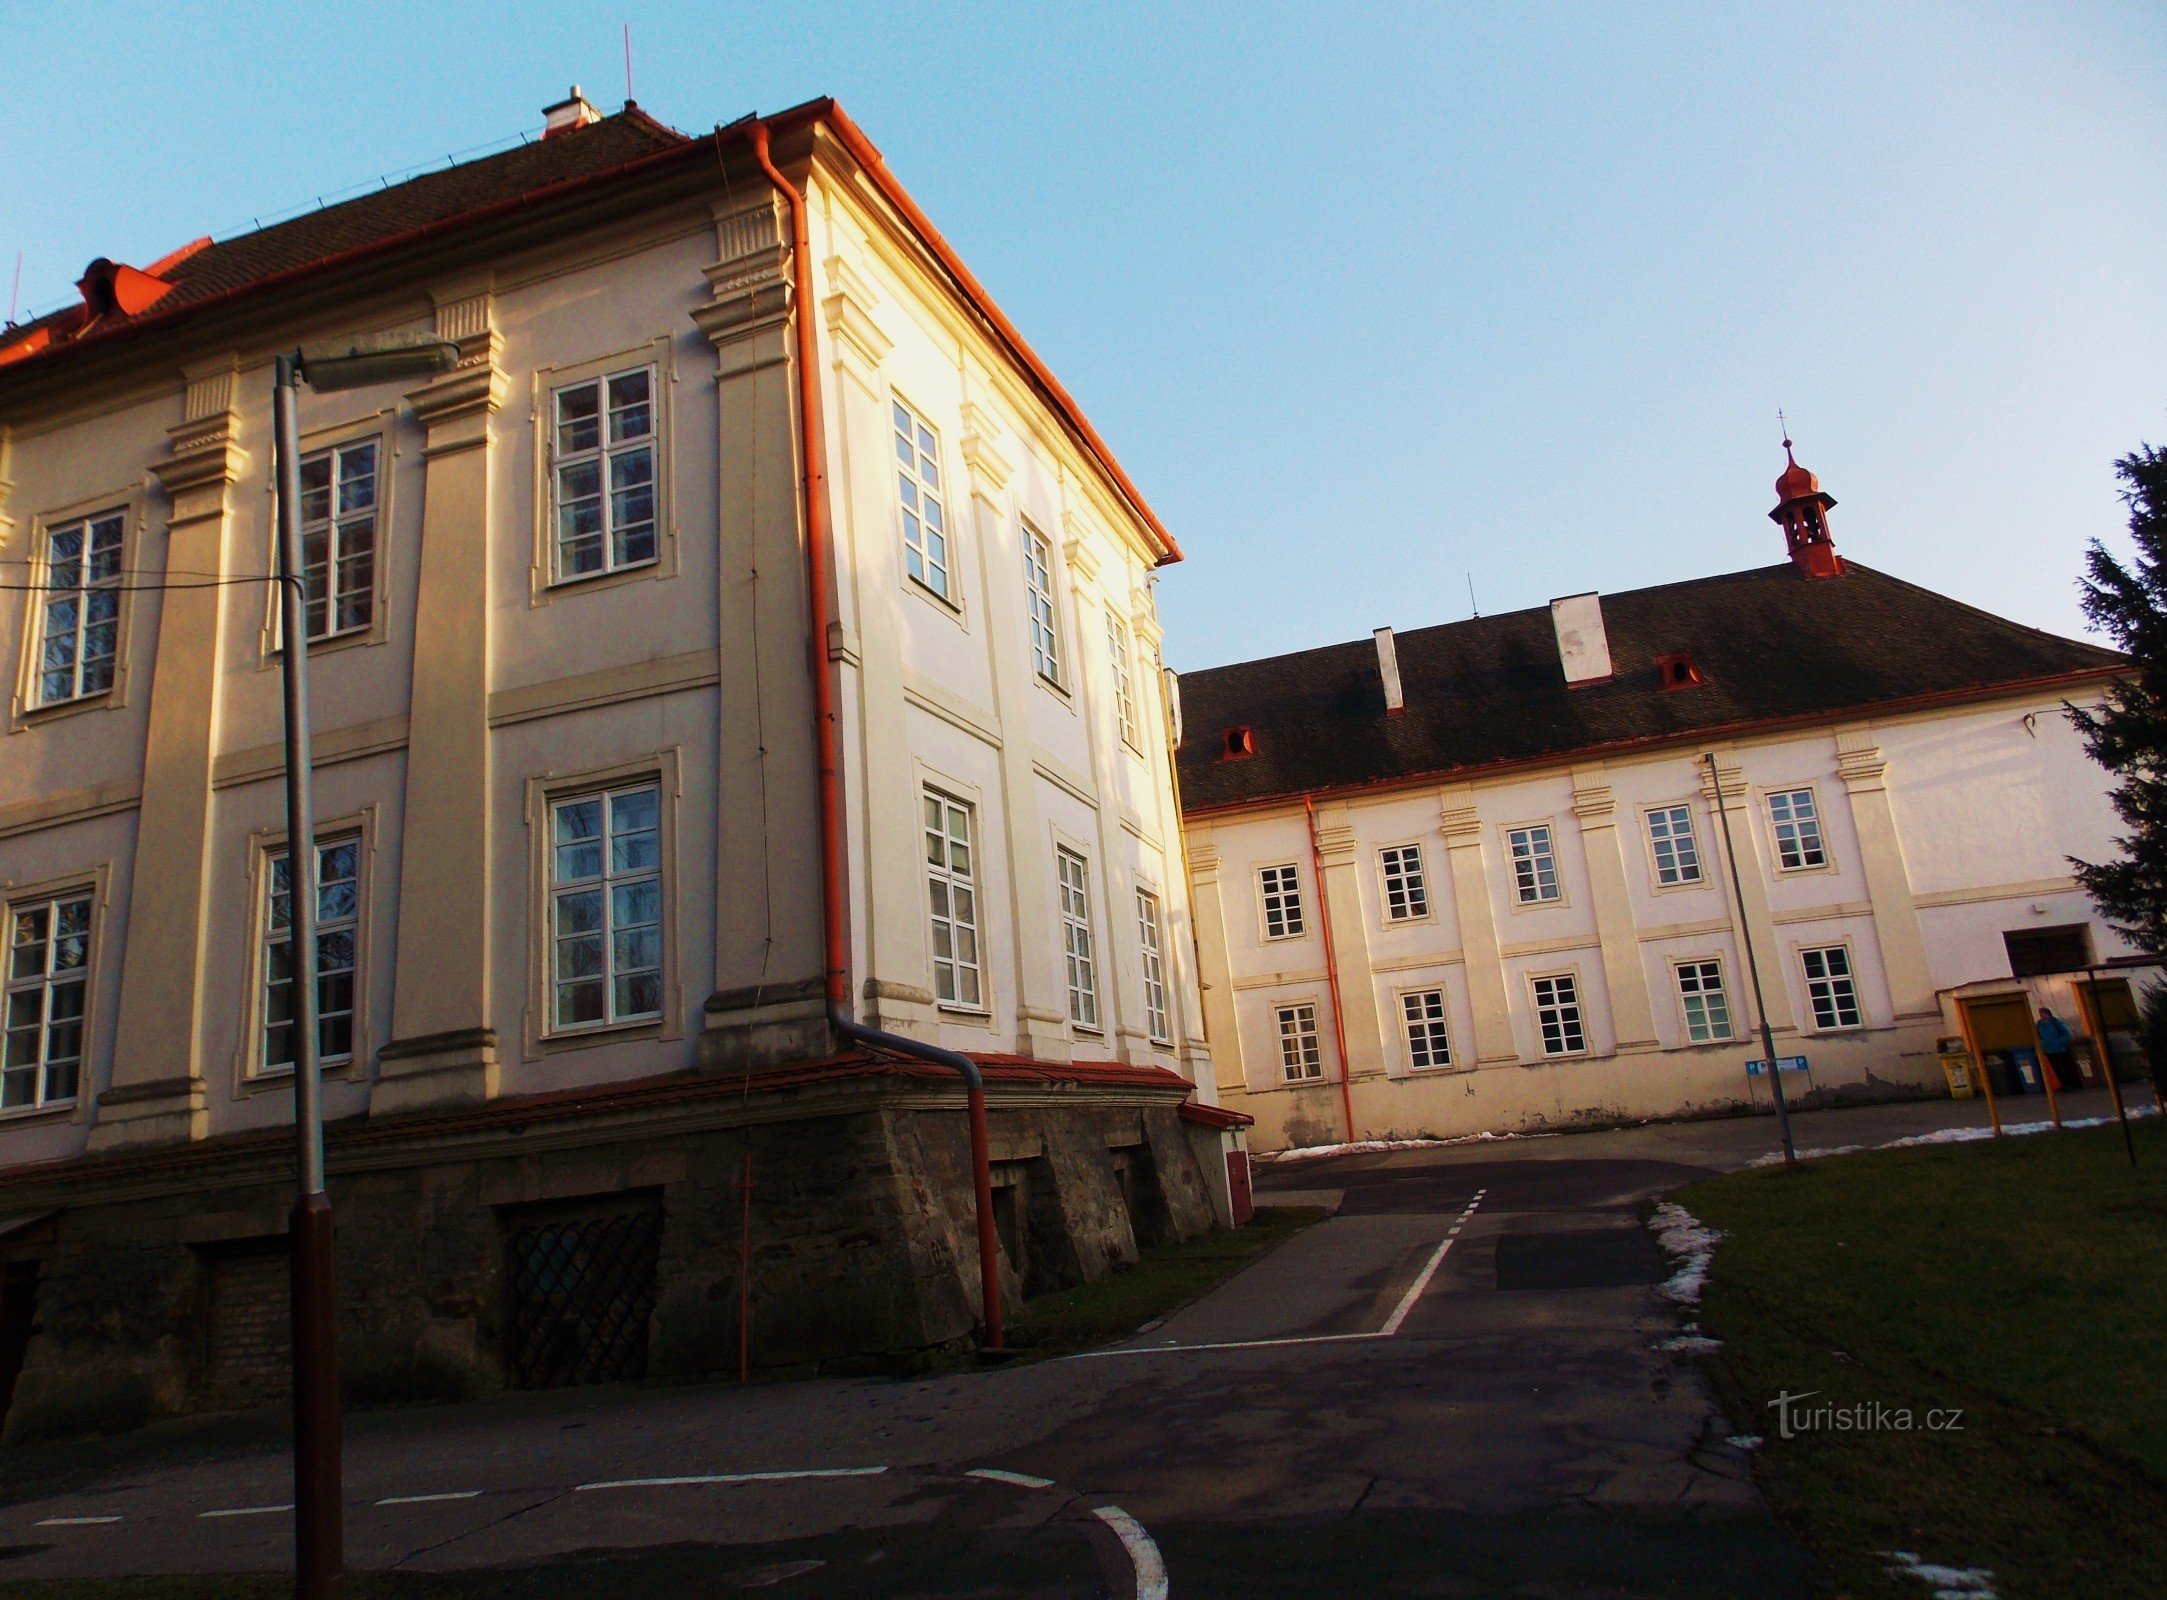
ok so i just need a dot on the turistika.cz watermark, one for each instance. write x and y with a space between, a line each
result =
1796 1414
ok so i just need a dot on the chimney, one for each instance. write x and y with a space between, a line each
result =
1388 668
1583 646
567 116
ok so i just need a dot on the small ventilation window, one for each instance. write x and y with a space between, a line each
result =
1679 671
1239 744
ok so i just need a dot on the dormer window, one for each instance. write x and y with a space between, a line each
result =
1679 671
1239 744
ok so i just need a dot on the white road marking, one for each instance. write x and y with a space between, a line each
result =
74 1522
426 1499
731 1477
246 1511
1150 1567
1022 1480
1390 1329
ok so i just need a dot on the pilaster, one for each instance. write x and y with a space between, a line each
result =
1632 1019
158 1092
1360 1021
1215 978
1733 795
1864 771
443 1047
1461 825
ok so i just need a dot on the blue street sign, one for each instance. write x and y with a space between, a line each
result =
1757 1069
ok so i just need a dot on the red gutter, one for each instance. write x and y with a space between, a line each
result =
812 480
1331 968
1693 736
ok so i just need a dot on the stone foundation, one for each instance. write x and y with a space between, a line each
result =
155 1296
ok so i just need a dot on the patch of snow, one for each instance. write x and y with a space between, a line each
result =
1953 1136
1745 1441
1691 1243
1692 1344
1946 1583
1357 1147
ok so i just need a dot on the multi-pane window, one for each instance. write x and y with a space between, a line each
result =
338 537
48 974
1406 895
604 457
1151 942
81 637
1281 889
918 487
952 893
1534 864
1677 853
1424 1012
1557 1015
1074 874
1038 596
1299 1056
1830 988
606 907
338 922
1117 652
1707 1007
1798 830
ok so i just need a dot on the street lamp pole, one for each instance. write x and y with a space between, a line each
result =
319 1534
1753 967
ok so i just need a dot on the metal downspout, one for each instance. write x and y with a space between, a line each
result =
819 586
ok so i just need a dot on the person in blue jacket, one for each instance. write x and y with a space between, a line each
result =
2059 1046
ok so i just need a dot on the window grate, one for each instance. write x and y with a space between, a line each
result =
582 1293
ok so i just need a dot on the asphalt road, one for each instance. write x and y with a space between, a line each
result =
1456 1386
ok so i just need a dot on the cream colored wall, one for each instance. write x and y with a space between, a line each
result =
1942 830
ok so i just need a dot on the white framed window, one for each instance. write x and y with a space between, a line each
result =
952 898
338 537
602 458
1151 943
1038 598
48 983
1707 1007
79 629
1557 1014
1280 889
1830 987
605 885
1074 875
1406 892
922 501
1300 1058
1677 851
1117 653
1797 826
1428 1042
1534 864
338 925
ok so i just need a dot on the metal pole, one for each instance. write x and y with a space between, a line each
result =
1753 967
2087 994
319 1530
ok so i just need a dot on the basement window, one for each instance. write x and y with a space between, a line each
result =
1679 671
1238 744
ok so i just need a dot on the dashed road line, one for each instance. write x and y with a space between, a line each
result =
1022 1480
75 1522
730 1477
246 1511
1143 1554
427 1499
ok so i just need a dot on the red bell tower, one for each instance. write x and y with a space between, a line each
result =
1802 511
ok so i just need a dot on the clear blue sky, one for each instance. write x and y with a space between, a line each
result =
1366 298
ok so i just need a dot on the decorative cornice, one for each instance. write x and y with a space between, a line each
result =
1336 844
1077 546
1144 622
1859 761
1593 803
475 387
988 465
747 279
1733 778
205 453
1461 825
859 337
1203 861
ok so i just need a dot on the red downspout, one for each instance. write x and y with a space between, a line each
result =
818 587
1331 965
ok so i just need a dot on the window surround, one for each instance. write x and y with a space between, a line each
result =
249 1074
1122 679
1300 918
97 880
994 912
541 1037
1041 553
1158 991
382 426
1850 977
545 587
1095 948
1400 998
1827 863
1733 1034
1656 885
1428 913
1512 871
950 605
1580 1013
1314 1039
128 503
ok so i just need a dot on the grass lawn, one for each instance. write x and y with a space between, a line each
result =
1162 1282
2023 1281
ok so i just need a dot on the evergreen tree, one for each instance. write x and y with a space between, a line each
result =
2128 733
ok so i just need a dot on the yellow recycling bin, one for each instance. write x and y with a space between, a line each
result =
1956 1066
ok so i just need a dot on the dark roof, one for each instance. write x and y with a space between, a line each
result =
1773 645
